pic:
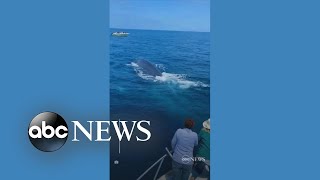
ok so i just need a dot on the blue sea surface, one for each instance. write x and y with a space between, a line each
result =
183 91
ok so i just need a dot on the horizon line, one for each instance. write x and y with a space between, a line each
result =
160 30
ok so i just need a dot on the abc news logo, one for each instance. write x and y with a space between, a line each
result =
187 159
48 131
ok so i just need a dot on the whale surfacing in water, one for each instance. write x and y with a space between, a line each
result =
148 68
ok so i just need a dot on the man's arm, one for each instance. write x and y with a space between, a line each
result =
174 140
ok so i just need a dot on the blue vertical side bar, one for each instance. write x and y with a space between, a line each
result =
265 88
53 57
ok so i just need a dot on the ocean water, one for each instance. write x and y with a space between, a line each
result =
182 91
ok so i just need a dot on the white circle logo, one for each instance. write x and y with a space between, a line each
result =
48 131
186 159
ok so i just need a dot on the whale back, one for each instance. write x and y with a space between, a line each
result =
148 68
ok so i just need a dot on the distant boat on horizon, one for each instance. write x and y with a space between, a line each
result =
120 34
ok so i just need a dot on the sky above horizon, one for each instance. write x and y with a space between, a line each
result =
177 15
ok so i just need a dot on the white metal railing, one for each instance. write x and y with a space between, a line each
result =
154 164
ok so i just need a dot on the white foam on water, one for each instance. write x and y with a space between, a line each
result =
133 64
161 67
180 80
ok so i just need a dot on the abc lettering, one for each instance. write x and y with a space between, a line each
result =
37 132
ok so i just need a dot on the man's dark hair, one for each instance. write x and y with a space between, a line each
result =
189 123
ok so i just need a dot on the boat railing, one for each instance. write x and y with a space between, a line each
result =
159 161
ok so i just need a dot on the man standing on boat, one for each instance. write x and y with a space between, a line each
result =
183 142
